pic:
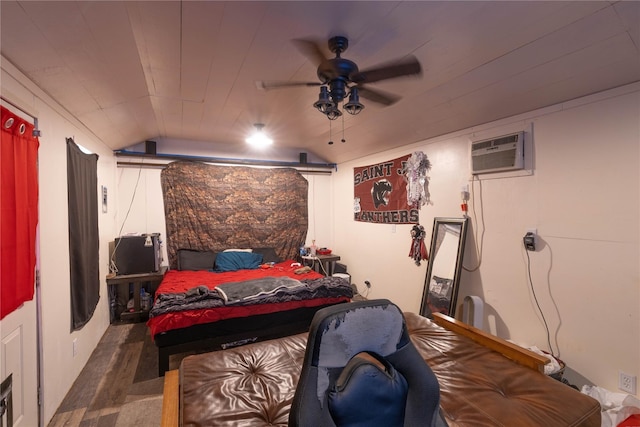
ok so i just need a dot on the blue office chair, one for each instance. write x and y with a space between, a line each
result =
361 369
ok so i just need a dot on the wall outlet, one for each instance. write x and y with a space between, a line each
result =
75 347
627 382
529 239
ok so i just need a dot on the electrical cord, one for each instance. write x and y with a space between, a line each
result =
324 271
366 295
315 258
479 249
113 268
366 282
535 298
475 216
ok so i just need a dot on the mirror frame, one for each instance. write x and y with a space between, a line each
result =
425 309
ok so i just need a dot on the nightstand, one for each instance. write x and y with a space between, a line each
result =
124 287
325 264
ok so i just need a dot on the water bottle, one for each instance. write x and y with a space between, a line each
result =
145 300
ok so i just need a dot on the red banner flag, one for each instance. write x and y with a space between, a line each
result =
19 211
380 194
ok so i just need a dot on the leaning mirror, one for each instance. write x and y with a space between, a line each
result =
445 264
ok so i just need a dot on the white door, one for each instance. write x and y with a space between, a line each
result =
19 356
19 329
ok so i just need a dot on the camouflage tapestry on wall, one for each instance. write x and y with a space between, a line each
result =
209 207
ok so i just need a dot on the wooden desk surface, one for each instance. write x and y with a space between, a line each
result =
328 258
140 277
322 258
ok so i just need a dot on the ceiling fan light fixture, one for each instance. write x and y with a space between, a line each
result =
259 139
324 102
333 113
353 106
339 77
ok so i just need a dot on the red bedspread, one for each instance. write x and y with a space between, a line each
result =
180 281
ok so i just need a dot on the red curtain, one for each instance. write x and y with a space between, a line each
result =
18 211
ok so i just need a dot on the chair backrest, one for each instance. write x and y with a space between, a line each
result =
342 336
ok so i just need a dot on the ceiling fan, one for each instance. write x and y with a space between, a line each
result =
340 77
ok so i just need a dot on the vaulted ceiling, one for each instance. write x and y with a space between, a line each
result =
138 70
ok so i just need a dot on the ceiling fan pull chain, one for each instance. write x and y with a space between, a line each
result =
330 134
343 140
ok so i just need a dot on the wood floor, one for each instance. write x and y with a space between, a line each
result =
119 386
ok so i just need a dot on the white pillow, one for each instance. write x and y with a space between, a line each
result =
238 250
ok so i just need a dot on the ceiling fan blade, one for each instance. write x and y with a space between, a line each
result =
284 84
378 96
404 67
311 49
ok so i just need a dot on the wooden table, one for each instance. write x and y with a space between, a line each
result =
122 286
325 264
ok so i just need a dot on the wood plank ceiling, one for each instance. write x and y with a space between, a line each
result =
169 70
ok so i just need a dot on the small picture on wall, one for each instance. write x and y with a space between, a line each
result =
104 199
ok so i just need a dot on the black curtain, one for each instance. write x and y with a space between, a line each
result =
82 185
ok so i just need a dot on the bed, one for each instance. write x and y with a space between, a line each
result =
219 300
484 381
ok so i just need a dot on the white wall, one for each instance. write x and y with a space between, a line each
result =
60 367
321 205
583 196
139 207
169 146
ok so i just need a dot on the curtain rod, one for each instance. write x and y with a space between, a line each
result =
164 165
222 160
36 131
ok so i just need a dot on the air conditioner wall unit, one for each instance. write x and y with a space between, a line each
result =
503 153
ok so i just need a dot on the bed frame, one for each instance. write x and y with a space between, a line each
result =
522 356
232 332
511 351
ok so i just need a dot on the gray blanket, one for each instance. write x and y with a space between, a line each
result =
248 290
200 297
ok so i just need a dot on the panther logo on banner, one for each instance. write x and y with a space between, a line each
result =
380 194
